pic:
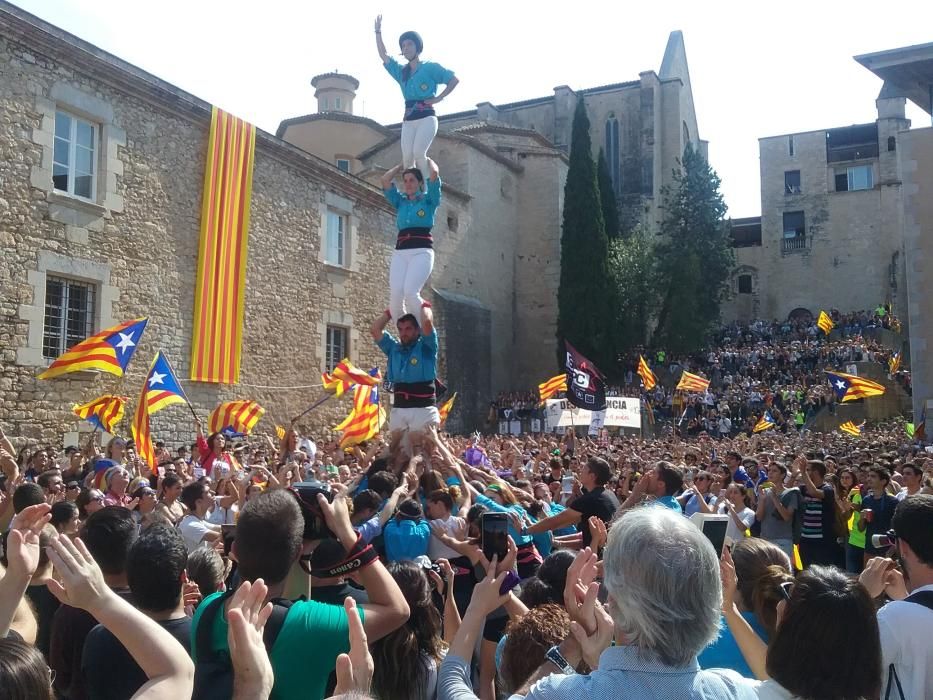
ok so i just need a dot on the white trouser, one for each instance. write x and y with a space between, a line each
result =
413 419
417 136
409 271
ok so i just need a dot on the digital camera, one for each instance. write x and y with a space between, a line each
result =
306 493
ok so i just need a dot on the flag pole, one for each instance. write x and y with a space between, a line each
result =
191 408
311 408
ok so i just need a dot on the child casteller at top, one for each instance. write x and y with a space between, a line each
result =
419 81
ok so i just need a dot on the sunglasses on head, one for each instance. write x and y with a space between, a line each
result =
786 589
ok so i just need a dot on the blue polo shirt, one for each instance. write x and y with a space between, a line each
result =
412 364
422 84
670 502
406 539
417 212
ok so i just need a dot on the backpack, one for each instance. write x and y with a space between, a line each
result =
924 598
213 673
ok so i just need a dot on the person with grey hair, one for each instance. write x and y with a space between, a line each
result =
665 596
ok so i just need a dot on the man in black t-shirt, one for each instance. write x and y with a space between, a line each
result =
155 571
595 501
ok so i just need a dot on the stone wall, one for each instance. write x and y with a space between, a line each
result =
853 254
142 245
916 165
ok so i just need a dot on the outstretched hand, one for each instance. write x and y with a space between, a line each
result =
82 582
247 616
354 670
23 540
730 580
580 591
486 595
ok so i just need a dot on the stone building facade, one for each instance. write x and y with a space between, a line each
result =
908 72
114 236
830 232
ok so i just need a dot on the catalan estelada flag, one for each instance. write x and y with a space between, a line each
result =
217 334
894 363
766 422
241 416
647 376
444 410
849 387
851 428
825 322
108 351
552 387
160 389
692 382
347 372
103 413
280 432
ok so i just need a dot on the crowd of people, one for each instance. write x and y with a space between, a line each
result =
752 367
291 569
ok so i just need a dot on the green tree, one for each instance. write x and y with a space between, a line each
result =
585 298
694 259
632 265
607 196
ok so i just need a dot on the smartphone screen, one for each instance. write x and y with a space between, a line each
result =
566 484
495 535
715 531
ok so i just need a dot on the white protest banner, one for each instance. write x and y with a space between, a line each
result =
621 411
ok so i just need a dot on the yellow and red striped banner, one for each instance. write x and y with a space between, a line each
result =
217 335
552 386
692 382
103 412
444 410
647 376
240 415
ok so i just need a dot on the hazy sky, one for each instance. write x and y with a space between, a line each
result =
758 69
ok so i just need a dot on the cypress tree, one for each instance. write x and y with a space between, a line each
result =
694 258
608 197
585 296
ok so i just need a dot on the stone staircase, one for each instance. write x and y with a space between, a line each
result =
895 402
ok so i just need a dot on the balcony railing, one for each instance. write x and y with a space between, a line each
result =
793 245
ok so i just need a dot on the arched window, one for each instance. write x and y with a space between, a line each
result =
800 314
686 135
613 153
745 284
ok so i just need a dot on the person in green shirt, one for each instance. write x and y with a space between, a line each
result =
268 544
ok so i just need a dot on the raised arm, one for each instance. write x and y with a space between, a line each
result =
427 321
433 170
386 610
389 509
164 661
22 560
750 644
389 176
380 47
379 325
